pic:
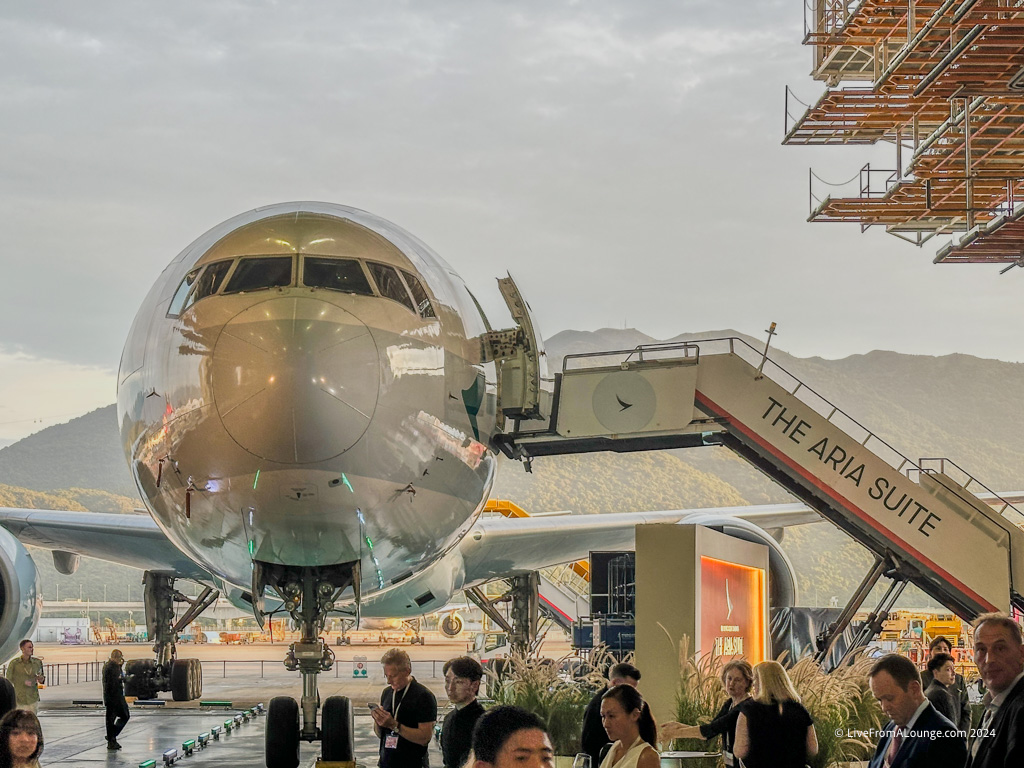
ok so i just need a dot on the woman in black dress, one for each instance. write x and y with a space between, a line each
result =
774 730
737 677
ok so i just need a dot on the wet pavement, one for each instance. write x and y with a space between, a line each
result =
74 734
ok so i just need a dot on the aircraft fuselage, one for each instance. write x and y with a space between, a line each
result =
286 398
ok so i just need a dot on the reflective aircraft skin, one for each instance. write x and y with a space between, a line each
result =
297 424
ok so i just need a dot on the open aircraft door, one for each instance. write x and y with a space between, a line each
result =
524 388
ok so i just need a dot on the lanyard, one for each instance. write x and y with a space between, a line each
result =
399 704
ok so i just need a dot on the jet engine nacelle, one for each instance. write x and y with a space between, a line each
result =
21 599
451 624
782 590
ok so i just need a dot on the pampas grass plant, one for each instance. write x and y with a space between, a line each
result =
538 685
700 694
837 701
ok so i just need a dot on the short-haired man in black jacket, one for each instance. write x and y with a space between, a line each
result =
462 677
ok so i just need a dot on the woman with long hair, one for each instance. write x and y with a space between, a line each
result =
628 722
738 679
774 730
21 740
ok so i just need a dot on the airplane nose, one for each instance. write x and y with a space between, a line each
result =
295 380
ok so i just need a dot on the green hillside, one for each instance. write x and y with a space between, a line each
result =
83 453
95 579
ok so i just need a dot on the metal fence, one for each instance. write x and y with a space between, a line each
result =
70 673
422 669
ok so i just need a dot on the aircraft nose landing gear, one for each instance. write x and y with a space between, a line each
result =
309 594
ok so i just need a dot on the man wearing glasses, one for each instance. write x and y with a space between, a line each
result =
462 677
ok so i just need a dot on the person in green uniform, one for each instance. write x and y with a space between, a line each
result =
26 675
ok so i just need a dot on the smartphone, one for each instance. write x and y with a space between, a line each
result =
371 706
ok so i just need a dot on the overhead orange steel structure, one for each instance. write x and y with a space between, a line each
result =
943 82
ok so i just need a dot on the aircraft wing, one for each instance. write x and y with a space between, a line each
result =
497 547
133 540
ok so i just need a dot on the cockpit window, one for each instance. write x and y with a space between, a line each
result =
178 302
209 282
336 275
389 283
419 295
254 274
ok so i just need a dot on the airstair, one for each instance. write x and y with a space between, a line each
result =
561 602
922 520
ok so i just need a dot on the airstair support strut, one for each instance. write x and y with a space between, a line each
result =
723 391
828 638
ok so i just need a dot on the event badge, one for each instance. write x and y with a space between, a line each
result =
391 741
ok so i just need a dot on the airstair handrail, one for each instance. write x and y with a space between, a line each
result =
914 466
563 589
906 465
639 351
971 479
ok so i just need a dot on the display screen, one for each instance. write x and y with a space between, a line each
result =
732 603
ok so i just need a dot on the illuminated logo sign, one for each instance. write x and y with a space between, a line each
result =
732 605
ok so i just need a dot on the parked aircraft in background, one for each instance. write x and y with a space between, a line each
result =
307 400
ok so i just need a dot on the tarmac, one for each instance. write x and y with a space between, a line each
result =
73 733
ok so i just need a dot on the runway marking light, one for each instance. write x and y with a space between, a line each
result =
203 739
188 746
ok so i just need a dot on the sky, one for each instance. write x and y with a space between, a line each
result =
622 160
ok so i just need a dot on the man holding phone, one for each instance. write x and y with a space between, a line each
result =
404 721
26 675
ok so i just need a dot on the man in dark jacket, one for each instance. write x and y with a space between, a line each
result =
462 677
117 714
959 688
594 737
916 736
940 691
999 654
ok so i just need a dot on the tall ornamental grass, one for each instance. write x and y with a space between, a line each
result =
840 703
700 695
555 696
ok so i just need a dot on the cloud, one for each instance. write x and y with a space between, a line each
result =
618 157
36 393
